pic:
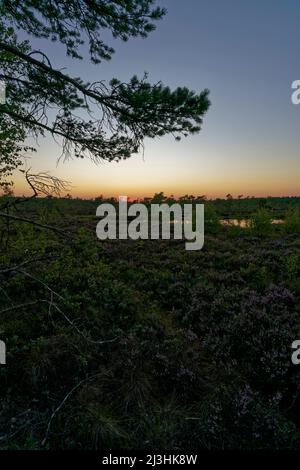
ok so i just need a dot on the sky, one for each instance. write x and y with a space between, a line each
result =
247 54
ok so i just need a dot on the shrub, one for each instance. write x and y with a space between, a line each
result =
292 221
261 223
211 220
292 265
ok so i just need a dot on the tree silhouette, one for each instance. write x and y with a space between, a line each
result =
104 121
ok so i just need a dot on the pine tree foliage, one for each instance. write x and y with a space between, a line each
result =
104 121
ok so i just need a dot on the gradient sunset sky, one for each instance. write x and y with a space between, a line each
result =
246 52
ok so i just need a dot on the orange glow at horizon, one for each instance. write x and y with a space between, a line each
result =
192 167
211 191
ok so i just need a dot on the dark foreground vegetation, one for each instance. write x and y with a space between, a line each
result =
141 344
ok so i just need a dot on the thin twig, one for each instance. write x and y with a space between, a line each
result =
32 222
63 402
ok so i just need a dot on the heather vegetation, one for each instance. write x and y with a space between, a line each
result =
141 344
123 344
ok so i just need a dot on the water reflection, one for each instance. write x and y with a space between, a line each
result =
244 223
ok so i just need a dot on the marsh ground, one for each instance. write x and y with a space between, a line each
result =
141 344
